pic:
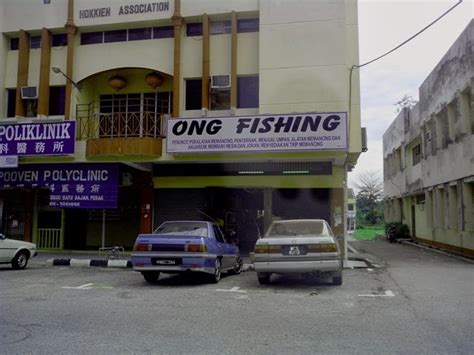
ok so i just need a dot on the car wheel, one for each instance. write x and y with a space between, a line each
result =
337 279
20 260
151 276
263 278
239 263
216 276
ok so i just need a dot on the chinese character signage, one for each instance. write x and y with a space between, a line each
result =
55 138
71 185
269 133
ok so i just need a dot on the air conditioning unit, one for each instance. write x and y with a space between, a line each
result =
29 92
220 81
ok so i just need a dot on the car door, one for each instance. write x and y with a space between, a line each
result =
222 247
7 250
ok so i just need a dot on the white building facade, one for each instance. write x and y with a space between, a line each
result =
429 155
234 109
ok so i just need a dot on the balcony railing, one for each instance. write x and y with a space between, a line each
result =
144 122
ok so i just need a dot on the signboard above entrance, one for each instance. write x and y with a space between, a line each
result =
105 11
268 133
52 138
71 185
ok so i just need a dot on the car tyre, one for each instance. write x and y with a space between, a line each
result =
20 260
216 276
337 279
239 263
151 276
263 278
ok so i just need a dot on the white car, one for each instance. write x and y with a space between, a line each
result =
16 252
303 246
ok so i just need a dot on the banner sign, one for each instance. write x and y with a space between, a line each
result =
55 138
269 133
71 185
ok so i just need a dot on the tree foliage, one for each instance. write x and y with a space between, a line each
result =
407 101
369 198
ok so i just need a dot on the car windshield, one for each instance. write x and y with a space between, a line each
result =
183 228
296 228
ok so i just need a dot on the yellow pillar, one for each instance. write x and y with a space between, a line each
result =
22 76
205 62
43 95
233 64
177 23
71 30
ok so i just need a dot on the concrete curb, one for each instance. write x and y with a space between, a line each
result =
90 263
435 250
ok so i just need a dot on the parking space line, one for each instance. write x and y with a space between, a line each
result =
233 289
387 293
82 287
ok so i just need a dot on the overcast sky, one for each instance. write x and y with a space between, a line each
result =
384 24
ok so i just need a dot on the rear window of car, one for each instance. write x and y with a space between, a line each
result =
183 228
296 228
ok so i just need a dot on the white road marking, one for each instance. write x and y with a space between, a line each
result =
233 289
82 287
369 269
387 293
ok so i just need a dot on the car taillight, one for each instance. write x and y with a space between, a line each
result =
261 249
328 248
195 248
141 247
322 248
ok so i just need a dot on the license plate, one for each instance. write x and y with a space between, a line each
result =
294 250
165 262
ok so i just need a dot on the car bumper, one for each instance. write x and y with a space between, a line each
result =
297 266
202 263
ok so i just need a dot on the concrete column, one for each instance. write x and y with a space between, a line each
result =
43 95
29 198
71 30
233 64
268 208
206 40
146 202
337 215
22 75
467 201
177 23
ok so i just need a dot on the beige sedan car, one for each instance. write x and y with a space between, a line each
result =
303 246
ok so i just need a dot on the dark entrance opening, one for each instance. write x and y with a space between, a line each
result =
301 204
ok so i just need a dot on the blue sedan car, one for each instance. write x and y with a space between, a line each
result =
184 246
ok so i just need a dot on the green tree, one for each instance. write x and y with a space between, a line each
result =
407 101
369 198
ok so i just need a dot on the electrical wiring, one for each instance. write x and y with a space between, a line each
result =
391 51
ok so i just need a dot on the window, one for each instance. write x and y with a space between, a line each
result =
218 234
133 115
57 98
453 207
11 102
220 99
137 34
194 29
220 27
193 94
247 92
35 42
350 207
466 108
92 38
115 36
416 154
59 40
163 32
248 25
451 118
14 44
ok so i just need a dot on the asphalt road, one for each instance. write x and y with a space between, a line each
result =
416 302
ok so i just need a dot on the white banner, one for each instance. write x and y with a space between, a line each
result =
265 133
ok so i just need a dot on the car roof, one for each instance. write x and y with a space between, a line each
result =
299 220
